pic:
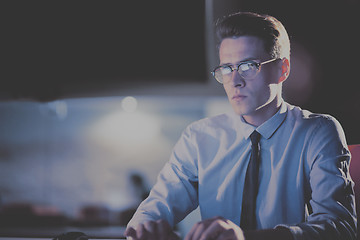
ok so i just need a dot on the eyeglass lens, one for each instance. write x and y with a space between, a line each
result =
247 70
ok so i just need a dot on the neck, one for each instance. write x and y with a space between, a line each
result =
263 113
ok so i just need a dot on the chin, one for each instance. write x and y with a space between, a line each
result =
240 108
238 111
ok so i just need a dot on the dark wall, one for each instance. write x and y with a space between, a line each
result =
57 49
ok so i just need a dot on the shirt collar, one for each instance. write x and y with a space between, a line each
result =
268 128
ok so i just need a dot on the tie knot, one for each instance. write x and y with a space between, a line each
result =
255 137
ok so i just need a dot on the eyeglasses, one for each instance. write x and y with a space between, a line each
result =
247 70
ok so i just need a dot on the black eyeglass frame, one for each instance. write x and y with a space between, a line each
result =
237 67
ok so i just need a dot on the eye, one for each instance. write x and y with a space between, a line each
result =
247 66
225 70
244 67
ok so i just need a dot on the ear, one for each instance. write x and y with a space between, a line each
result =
285 69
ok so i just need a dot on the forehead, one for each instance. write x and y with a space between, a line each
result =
234 50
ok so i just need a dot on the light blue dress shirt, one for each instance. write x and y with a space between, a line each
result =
304 178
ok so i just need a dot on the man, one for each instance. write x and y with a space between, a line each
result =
270 170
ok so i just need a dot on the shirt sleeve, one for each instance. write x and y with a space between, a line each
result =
332 212
175 194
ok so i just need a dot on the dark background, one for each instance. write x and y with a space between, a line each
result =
58 49
74 48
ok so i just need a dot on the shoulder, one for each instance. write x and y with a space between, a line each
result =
206 133
299 115
218 122
212 128
319 124
322 134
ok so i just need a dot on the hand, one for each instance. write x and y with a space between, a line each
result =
152 230
215 228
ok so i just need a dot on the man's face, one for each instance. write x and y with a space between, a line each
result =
254 97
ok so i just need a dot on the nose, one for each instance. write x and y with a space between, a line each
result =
237 80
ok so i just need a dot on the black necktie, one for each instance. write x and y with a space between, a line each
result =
248 219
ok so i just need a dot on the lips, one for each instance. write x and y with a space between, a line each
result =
238 97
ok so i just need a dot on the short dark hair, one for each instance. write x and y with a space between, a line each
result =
265 27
